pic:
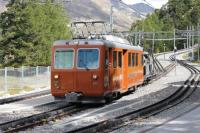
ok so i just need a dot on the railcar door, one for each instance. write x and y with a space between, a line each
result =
63 67
106 69
120 68
117 71
125 70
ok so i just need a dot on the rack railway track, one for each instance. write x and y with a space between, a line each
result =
180 95
38 119
42 118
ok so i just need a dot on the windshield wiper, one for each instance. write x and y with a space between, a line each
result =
85 66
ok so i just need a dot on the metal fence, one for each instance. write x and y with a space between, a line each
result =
24 78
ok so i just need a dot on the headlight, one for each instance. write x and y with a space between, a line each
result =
95 77
56 81
56 76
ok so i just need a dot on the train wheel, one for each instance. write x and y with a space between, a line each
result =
78 104
56 98
118 95
109 98
132 89
136 88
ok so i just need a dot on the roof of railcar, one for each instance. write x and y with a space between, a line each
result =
107 40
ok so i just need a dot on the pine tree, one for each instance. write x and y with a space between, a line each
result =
28 31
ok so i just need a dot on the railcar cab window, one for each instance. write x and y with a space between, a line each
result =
114 59
88 58
63 58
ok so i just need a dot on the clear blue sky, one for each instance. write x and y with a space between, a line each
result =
155 3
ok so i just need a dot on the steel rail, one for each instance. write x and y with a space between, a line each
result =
179 96
45 117
23 97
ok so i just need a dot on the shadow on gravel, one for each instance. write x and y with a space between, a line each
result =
137 102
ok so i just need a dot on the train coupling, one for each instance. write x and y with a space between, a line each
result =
72 97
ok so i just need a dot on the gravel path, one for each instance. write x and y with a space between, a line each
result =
25 104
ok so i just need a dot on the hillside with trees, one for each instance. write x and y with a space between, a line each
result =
28 30
176 14
81 10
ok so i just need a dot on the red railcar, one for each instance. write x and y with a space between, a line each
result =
95 70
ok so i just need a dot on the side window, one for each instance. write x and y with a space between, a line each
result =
133 59
114 59
142 62
136 59
120 59
106 59
129 59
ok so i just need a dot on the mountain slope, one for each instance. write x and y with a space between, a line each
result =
2 6
123 16
143 8
82 10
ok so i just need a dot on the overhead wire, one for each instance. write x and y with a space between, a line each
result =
132 8
149 4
